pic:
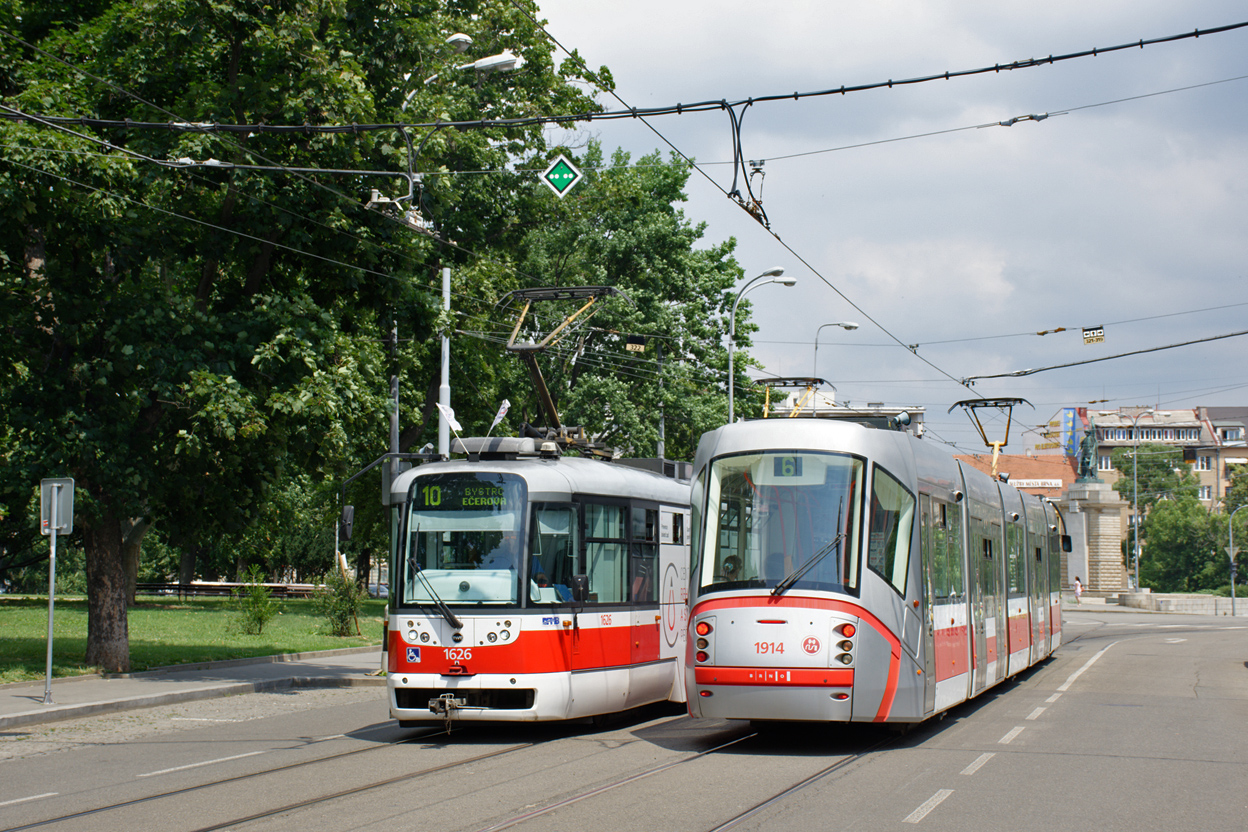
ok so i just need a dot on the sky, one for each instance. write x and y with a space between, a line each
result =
1130 216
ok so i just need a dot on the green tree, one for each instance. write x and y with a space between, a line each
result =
1184 547
181 339
1160 472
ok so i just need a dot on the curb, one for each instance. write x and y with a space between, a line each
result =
61 712
174 668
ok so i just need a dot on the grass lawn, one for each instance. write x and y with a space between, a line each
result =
164 632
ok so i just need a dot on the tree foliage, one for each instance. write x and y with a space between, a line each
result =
179 339
1158 469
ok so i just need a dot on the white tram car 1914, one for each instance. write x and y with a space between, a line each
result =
849 572
529 586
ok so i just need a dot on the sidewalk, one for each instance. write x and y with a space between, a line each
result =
77 696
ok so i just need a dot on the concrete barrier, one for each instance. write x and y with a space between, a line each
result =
1180 603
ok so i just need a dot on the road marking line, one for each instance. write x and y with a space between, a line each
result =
1036 713
32 797
979 763
932 802
1053 698
200 719
204 763
1175 640
1066 685
1008 738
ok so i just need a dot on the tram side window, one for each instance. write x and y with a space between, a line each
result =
554 550
1015 561
940 551
892 512
953 540
606 546
643 559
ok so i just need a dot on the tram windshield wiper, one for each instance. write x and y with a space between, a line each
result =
818 556
438 603
808 565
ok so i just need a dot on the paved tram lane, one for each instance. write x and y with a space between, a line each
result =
1138 723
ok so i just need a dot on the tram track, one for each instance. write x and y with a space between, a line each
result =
277 770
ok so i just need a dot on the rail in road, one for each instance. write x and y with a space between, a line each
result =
1134 720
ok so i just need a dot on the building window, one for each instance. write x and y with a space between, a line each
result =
1206 492
1104 463
1232 434
1203 463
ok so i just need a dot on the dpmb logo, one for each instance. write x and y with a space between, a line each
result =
811 645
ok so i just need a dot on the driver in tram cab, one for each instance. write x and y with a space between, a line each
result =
503 555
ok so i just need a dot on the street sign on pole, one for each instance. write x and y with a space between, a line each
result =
56 516
56 506
561 176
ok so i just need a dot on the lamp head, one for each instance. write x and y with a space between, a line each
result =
774 271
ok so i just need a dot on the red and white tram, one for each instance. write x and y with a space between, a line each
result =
530 586
850 572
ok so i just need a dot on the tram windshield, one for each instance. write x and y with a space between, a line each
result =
464 539
780 520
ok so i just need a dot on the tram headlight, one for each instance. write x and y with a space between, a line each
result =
505 634
703 644
846 645
703 628
702 655
492 637
847 630
412 635
845 658
424 638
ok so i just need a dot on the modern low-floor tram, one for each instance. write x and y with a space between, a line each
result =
528 586
845 572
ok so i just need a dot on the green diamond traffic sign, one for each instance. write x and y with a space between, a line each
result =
561 176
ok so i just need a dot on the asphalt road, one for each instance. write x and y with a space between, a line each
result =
1138 723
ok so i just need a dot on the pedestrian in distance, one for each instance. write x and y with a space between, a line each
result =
1078 589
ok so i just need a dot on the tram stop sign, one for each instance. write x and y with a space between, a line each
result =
56 506
561 176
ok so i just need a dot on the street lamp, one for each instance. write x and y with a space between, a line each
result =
1231 550
1135 491
814 361
775 275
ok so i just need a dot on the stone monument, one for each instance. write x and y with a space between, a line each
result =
1095 516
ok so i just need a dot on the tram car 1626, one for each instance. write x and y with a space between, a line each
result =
849 572
529 586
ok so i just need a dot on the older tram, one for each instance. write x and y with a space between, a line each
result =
846 571
529 586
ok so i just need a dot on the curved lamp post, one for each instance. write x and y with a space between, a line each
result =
1135 491
775 275
814 361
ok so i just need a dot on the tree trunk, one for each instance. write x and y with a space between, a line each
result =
186 566
108 633
132 553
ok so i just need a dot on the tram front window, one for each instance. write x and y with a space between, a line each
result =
464 539
776 515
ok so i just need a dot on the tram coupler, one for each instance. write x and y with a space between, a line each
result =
446 705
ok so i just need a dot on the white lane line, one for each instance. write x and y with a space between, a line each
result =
1009 738
1175 640
204 763
1066 685
200 719
979 763
32 797
932 802
1053 698
1036 713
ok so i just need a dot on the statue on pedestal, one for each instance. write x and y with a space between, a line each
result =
1088 455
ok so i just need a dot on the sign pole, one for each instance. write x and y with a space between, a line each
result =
47 685
56 514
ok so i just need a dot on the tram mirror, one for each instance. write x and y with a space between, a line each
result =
1065 543
580 588
345 523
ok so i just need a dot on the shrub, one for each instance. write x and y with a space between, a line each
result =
254 605
338 598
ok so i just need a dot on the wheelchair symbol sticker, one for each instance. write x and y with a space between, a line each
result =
413 655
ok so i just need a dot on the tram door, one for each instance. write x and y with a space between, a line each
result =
1037 583
981 581
930 556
